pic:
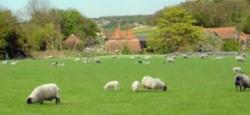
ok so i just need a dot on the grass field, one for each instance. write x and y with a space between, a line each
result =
195 86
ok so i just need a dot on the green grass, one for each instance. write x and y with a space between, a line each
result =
195 86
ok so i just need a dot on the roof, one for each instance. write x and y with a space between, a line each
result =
72 39
223 32
118 34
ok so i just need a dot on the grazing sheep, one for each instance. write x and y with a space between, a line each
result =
170 59
135 86
242 81
239 58
54 63
112 85
5 62
98 61
149 82
237 70
203 56
44 92
185 56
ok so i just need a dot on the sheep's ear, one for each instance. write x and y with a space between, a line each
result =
29 101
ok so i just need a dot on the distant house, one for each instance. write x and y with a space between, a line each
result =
72 41
123 39
227 33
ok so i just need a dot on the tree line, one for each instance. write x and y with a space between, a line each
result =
44 28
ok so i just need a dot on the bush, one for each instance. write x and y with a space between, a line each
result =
126 50
230 45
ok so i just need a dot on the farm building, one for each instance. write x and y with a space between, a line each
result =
230 33
120 40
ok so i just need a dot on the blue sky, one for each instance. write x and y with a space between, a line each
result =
97 8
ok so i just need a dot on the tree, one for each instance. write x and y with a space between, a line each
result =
176 31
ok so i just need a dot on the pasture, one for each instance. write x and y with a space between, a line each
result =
195 86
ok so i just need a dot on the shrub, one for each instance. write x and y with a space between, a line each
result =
230 45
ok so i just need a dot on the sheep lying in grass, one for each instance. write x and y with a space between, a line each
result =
242 81
239 58
44 92
77 59
237 70
112 85
135 86
149 82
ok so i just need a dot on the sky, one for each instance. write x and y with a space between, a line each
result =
98 8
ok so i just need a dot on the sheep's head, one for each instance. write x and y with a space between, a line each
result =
164 88
29 100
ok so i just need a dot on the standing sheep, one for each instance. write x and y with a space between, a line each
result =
135 86
240 59
149 82
44 92
242 81
112 85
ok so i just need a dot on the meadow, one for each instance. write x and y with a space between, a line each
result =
195 87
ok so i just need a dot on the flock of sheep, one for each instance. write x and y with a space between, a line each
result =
51 91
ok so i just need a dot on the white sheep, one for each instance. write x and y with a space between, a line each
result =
185 56
5 62
112 85
77 59
239 58
60 64
147 57
203 56
44 92
237 70
170 59
149 82
135 86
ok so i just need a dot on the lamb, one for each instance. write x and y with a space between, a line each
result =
135 86
239 58
237 70
44 92
149 82
242 81
112 85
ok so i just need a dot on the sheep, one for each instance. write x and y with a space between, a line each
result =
203 56
135 86
85 60
77 59
5 62
239 58
237 70
149 82
112 85
98 61
132 57
60 64
242 81
44 92
185 56
54 63
147 57
170 59
219 58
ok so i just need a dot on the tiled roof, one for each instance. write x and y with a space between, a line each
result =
72 39
223 32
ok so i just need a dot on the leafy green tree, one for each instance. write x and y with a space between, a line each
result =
176 31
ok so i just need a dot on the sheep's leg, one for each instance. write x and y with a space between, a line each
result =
240 88
58 101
